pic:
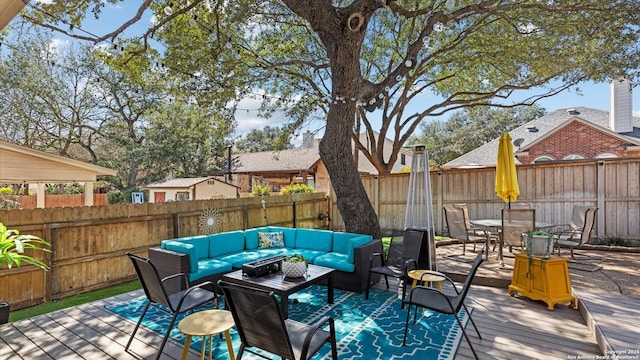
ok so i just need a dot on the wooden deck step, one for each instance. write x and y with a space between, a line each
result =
613 319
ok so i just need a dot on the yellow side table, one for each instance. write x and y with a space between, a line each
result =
542 279
426 276
206 324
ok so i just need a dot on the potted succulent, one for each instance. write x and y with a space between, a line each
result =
12 247
294 266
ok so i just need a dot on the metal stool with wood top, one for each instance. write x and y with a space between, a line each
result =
206 324
426 276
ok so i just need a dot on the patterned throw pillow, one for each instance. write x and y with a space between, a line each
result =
270 240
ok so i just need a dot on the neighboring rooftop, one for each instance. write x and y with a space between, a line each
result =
531 132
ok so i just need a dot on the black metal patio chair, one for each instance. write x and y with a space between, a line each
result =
404 246
175 303
260 324
433 299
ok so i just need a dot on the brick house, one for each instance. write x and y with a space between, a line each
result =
569 134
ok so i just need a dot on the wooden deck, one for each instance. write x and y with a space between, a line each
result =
511 328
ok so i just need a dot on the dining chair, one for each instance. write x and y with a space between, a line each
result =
189 298
457 227
471 229
514 223
261 325
575 237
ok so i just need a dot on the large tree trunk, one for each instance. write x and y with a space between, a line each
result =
335 150
343 43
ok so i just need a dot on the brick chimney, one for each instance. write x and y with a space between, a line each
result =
620 115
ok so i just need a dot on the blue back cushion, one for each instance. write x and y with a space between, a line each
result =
183 248
251 237
312 239
341 242
355 242
201 243
226 243
289 235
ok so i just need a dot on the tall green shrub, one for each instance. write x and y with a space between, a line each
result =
297 189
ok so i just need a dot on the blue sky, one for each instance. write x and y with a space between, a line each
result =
593 95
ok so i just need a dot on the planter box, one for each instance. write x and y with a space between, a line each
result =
538 244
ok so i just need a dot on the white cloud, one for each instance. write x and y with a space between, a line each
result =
56 45
47 2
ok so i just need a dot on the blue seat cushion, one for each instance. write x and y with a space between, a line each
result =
312 239
239 259
310 255
209 267
183 248
335 261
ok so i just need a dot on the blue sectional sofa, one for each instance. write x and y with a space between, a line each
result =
208 257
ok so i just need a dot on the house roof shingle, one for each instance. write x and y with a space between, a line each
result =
297 159
182 182
485 155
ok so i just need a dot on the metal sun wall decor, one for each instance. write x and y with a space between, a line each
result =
209 221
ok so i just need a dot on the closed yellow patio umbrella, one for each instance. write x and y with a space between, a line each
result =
506 177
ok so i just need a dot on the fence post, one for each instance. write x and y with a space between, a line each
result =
600 198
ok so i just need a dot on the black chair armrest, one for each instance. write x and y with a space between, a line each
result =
181 277
435 292
376 256
202 285
453 284
315 327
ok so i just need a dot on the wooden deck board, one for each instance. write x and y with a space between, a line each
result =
511 328
615 318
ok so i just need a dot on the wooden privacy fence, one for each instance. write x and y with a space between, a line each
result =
552 189
89 243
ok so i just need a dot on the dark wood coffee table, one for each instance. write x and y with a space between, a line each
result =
284 287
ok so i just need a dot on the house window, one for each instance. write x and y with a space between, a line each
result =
211 182
544 158
573 157
182 195
403 159
606 156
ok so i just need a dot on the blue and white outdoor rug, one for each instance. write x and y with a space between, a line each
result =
365 329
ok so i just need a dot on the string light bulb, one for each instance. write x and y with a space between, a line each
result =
168 10
450 4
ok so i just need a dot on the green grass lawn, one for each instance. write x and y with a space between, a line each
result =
74 300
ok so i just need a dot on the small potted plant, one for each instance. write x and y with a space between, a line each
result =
294 266
12 247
